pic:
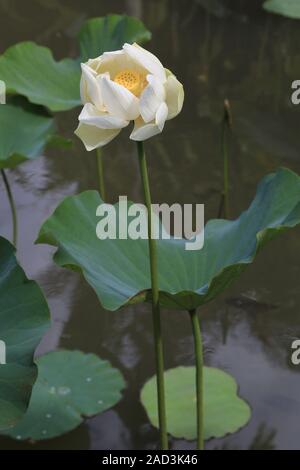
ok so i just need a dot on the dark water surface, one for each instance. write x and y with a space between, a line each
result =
251 58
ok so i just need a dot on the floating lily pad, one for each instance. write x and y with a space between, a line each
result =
118 270
71 385
109 33
24 135
289 8
224 411
24 318
31 70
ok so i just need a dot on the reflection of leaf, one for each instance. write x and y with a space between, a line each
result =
118 270
215 7
24 317
99 35
23 135
224 411
264 439
249 304
71 385
289 8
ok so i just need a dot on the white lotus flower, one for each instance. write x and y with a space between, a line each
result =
123 86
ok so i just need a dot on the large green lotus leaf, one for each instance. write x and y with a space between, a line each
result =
71 385
23 135
24 318
289 8
224 411
30 70
118 270
109 33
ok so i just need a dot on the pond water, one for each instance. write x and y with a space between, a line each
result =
240 53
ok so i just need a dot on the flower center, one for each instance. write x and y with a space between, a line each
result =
132 80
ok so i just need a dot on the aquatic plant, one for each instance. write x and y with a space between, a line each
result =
124 271
186 279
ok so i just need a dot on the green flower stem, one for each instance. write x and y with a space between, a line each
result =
199 377
100 173
155 303
12 206
226 125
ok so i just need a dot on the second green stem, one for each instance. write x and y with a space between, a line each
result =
159 358
199 378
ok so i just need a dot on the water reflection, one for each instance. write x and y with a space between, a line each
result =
242 54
